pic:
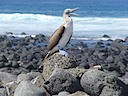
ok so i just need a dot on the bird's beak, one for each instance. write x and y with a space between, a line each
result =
72 10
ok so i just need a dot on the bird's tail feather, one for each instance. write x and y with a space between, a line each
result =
48 54
45 58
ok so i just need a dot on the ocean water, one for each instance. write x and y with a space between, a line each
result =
96 17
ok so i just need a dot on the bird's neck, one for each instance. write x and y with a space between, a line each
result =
67 18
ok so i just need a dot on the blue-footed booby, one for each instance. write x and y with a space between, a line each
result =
63 34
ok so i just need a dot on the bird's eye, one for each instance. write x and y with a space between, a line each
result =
67 12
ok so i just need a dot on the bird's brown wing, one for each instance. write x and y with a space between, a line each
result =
54 40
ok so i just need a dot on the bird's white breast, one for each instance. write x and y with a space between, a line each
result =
67 34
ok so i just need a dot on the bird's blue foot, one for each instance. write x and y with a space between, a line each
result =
62 51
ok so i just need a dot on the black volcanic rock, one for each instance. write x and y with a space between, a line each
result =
15 64
26 88
67 82
98 83
122 68
124 54
126 39
6 43
23 33
92 82
102 56
3 58
2 64
84 65
120 46
8 64
37 55
80 45
99 45
25 54
40 38
2 37
118 40
106 36
110 59
13 57
112 67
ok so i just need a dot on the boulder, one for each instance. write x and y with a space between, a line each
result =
110 59
14 71
26 88
2 64
24 77
27 39
119 45
12 57
111 67
63 93
2 37
60 80
102 56
6 43
23 33
15 64
106 36
3 92
118 40
3 58
109 92
6 77
99 44
124 55
122 68
34 74
84 65
39 81
98 83
57 61
79 93
76 72
114 87
92 81
80 45
40 38
10 88
6 80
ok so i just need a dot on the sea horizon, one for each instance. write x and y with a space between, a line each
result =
95 19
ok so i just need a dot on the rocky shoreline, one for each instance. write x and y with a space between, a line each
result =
100 70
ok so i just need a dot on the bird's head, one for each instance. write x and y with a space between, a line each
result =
70 12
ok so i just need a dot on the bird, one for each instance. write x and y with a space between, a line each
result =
62 35
63 52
